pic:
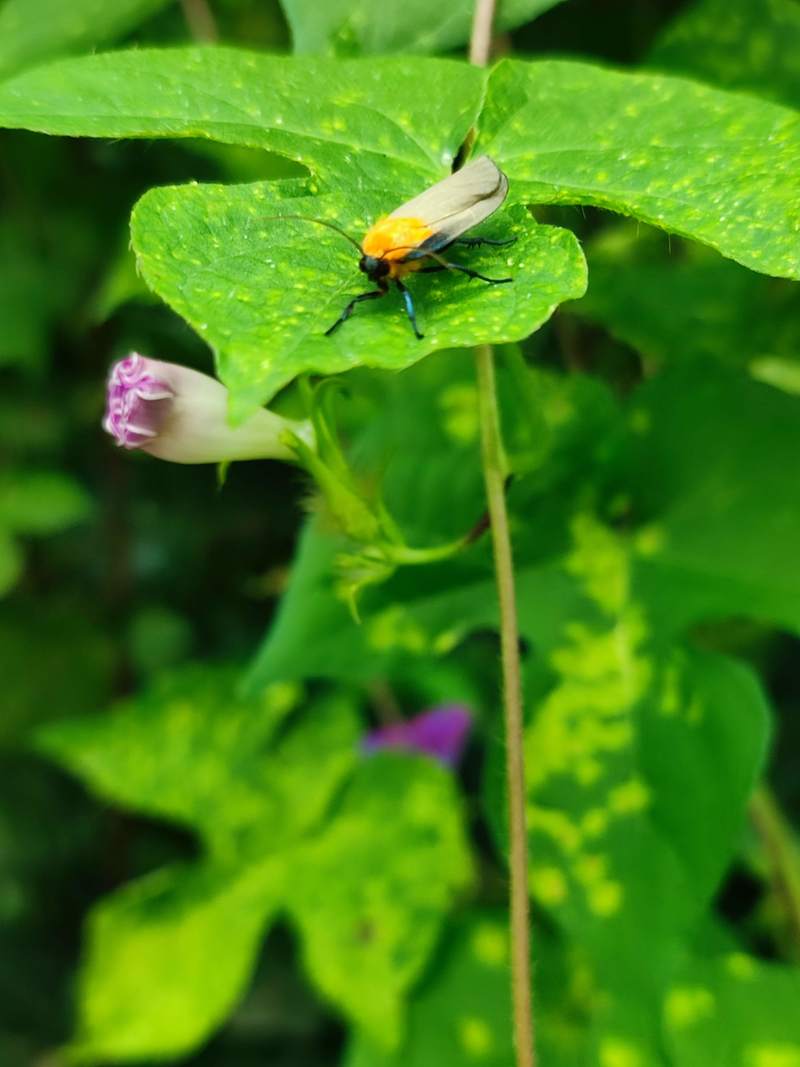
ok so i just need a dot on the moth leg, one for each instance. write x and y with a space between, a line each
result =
476 242
409 303
348 311
470 273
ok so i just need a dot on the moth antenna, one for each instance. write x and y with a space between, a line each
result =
319 222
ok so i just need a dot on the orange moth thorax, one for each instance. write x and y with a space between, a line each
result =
393 239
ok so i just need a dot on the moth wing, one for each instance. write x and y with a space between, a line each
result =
457 203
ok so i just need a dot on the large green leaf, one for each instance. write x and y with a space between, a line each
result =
714 166
345 120
394 25
262 292
689 302
34 30
633 748
166 958
370 893
191 751
460 1015
753 45
705 474
734 1010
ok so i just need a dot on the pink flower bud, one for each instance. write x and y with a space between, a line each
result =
181 415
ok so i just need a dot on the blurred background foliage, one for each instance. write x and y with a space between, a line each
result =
227 848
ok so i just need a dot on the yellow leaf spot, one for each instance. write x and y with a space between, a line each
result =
459 406
475 1036
741 965
548 885
605 899
556 825
670 691
649 540
446 641
394 628
490 945
595 822
640 421
775 1055
617 1053
687 1005
589 870
601 561
630 797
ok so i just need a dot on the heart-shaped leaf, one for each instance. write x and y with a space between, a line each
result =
263 291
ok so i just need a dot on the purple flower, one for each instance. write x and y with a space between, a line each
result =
440 733
179 414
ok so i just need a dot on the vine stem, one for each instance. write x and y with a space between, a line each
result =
494 474
494 478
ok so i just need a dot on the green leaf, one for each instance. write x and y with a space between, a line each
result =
751 45
262 293
460 1013
34 30
370 893
716 505
717 167
394 25
689 304
168 955
41 502
314 634
734 1010
345 120
166 958
632 751
189 750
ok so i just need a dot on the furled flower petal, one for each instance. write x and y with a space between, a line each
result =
179 414
441 733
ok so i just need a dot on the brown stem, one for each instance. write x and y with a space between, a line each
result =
200 20
494 477
480 43
494 471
